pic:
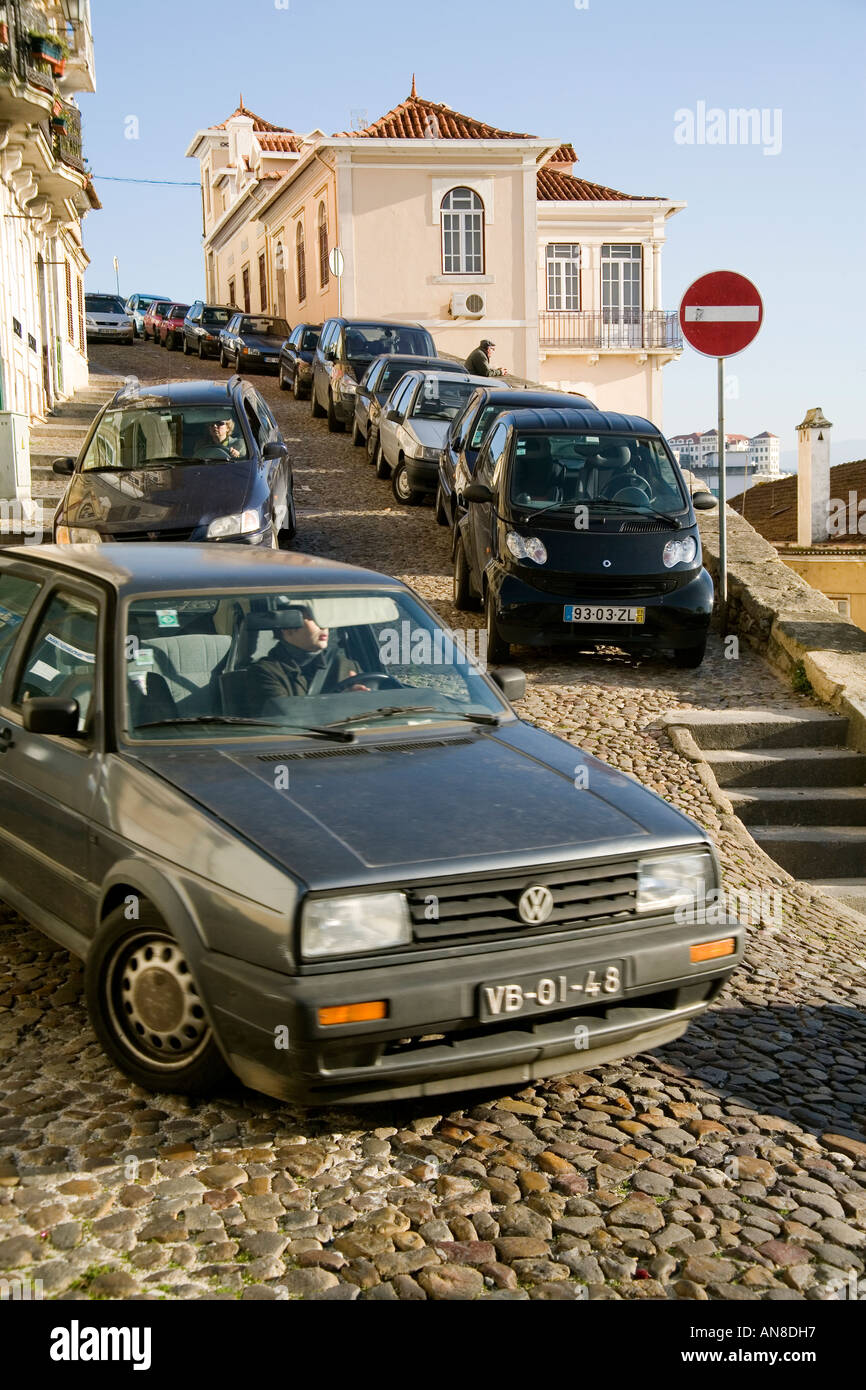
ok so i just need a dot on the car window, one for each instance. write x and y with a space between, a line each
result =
16 599
257 425
329 331
492 454
62 660
372 376
268 420
367 340
260 323
295 338
103 304
483 425
400 395
310 340
630 471
216 316
440 398
138 436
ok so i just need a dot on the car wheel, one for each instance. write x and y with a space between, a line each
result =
291 528
296 387
689 657
281 380
185 347
371 444
317 412
335 425
223 360
169 342
357 437
498 650
464 599
439 508
145 1008
402 488
383 467
200 350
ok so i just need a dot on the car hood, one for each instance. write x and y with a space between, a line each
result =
431 433
264 342
171 496
464 801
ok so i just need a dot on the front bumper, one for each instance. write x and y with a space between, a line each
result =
110 335
529 616
423 474
252 1008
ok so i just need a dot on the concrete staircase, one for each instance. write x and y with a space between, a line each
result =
62 434
797 787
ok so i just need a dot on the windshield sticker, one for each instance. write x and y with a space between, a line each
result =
44 671
70 650
143 657
7 616
167 617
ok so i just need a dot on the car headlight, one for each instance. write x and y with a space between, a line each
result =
526 547
348 387
680 551
674 881
431 455
239 524
250 352
344 926
91 323
77 535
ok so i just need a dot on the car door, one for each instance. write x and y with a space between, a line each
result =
365 392
390 421
289 353
321 365
191 323
481 518
48 782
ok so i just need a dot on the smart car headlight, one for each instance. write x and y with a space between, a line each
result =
345 926
526 547
239 524
680 551
673 881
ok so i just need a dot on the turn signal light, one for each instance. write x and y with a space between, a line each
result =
711 950
353 1013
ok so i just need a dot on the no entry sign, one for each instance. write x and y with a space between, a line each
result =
721 313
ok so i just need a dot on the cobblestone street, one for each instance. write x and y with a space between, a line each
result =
723 1166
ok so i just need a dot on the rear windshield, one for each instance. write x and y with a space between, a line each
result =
103 304
621 472
365 341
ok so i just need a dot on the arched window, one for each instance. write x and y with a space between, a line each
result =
301 258
280 267
324 272
462 217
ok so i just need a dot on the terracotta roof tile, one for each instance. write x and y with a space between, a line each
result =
771 507
555 186
276 141
259 123
417 119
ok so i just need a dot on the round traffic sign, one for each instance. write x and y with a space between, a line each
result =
721 313
336 262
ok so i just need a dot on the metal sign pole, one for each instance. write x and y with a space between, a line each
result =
723 546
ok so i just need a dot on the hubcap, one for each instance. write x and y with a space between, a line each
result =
153 1004
402 483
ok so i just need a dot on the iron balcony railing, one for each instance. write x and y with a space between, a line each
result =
67 136
18 57
610 328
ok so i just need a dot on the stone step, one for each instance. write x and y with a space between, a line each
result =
851 891
812 852
759 728
801 767
794 806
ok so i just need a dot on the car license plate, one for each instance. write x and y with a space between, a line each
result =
270 359
602 613
533 994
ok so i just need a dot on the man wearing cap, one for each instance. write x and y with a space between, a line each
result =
478 362
290 666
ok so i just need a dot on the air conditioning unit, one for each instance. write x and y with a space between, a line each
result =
468 304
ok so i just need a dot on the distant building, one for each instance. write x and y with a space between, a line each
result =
748 459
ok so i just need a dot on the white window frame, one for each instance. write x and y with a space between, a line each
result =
562 276
462 241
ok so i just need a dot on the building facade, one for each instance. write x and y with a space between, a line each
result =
748 459
46 55
444 220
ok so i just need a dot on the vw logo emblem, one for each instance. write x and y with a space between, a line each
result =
606 564
535 904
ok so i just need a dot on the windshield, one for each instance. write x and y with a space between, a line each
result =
178 311
365 341
310 340
216 315
631 472
139 436
289 662
441 399
271 328
103 304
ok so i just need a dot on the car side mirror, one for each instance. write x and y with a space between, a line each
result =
64 466
704 501
51 714
478 492
393 415
273 450
511 681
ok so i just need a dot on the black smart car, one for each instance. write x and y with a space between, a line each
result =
179 461
376 385
294 831
460 450
345 351
253 340
580 530
295 368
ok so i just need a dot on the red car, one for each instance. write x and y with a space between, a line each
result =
171 326
153 318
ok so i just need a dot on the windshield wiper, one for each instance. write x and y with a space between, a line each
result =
318 730
608 503
389 711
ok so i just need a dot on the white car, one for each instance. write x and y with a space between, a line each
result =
412 427
105 317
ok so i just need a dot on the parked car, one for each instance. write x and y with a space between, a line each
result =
435 874
295 369
153 318
171 327
202 327
345 351
467 431
106 319
412 427
376 385
580 530
252 339
178 461
137 306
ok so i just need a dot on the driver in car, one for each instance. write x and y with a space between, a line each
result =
220 441
292 663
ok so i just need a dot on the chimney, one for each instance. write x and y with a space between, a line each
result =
813 477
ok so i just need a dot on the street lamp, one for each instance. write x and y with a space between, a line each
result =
72 10
117 274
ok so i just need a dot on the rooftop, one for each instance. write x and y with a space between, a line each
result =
771 507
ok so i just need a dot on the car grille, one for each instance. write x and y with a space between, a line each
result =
583 586
166 534
581 895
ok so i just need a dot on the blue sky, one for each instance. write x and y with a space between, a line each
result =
610 77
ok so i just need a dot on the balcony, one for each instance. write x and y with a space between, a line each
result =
66 129
27 79
610 330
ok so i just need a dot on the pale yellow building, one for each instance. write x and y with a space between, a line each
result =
444 220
